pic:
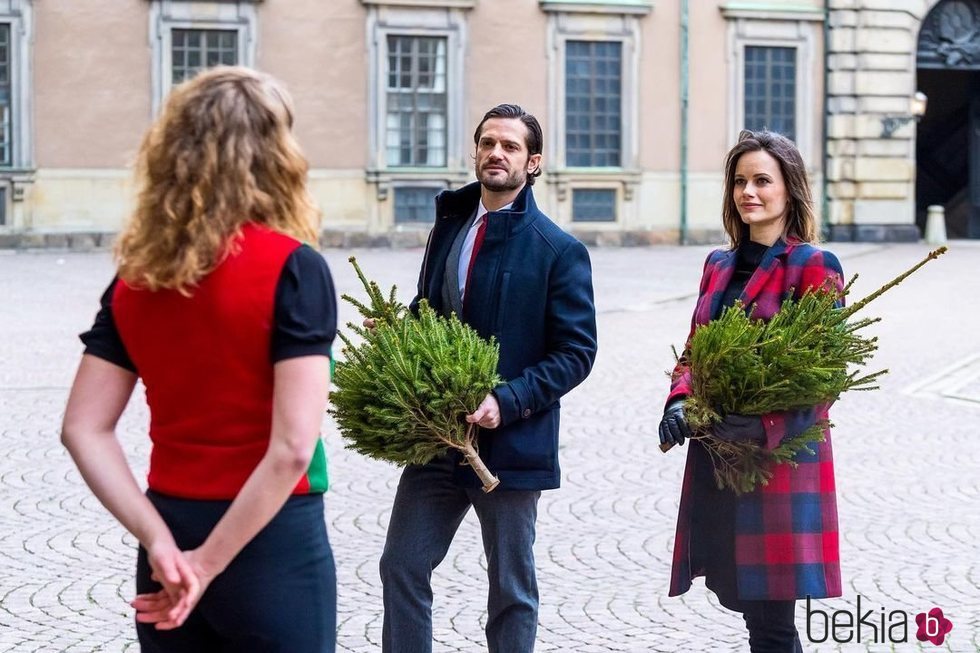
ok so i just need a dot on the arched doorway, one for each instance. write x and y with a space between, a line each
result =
948 139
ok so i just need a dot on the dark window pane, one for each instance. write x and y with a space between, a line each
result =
415 203
194 49
593 103
593 205
770 89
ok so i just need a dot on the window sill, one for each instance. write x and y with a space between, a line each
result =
386 179
771 11
561 175
443 4
419 174
640 7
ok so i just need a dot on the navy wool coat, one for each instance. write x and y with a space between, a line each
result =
531 288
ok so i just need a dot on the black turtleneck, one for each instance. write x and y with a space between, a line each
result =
749 256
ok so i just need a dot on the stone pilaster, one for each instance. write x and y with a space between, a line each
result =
871 78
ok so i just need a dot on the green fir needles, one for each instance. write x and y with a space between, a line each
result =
402 394
809 353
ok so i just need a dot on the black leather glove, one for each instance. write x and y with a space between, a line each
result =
673 426
740 428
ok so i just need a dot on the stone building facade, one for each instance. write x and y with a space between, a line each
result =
885 164
639 101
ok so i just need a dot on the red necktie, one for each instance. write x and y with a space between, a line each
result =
481 231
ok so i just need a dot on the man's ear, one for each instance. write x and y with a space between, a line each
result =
533 163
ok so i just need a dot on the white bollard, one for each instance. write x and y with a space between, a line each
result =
936 225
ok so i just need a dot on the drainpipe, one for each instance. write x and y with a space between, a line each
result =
684 101
825 128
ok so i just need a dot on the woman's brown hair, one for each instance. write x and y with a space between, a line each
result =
220 154
801 224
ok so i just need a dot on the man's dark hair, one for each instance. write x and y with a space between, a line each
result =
534 137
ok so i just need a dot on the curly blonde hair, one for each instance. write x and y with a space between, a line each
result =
220 154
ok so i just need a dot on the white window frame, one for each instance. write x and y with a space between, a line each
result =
448 23
7 190
19 15
623 29
433 18
614 21
19 174
168 15
387 93
799 29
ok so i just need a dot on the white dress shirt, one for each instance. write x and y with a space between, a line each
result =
467 252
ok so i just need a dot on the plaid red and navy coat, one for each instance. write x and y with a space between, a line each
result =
786 543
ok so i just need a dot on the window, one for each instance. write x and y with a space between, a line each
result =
16 109
592 141
417 143
415 203
593 99
415 121
593 205
195 49
190 35
6 122
774 63
770 89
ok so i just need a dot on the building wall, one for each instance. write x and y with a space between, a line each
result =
319 50
659 118
872 72
91 106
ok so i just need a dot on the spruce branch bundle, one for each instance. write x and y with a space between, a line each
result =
808 353
402 394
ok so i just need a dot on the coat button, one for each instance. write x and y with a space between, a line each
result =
526 413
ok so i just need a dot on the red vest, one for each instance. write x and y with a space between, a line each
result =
205 362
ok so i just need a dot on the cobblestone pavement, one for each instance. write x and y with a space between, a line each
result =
907 464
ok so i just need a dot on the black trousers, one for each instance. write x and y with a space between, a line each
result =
279 595
771 626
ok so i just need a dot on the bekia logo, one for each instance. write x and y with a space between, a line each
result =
933 626
874 626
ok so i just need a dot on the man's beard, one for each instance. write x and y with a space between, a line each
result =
514 180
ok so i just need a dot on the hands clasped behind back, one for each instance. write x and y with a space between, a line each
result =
184 579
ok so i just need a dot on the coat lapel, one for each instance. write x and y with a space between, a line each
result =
724 269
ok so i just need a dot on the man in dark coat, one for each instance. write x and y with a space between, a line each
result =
498 262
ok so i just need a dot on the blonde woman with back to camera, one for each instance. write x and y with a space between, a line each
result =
227 318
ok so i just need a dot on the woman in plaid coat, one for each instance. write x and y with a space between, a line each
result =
760 551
